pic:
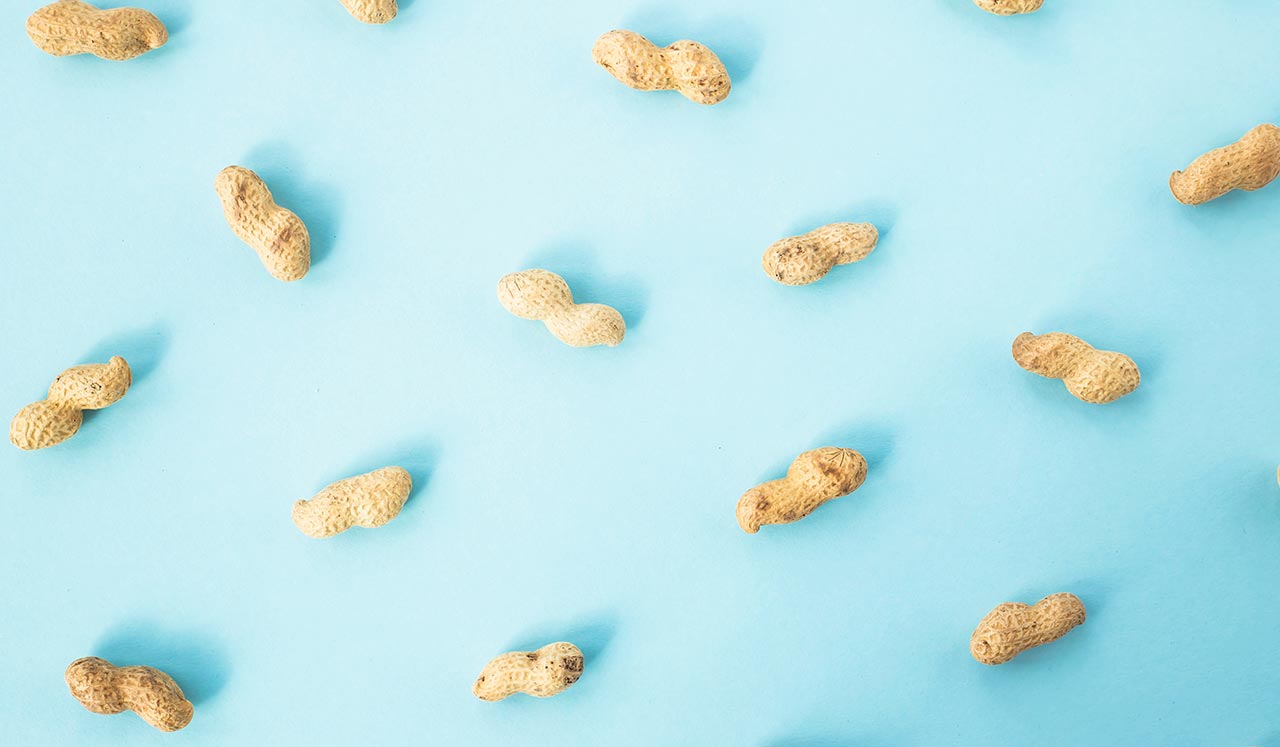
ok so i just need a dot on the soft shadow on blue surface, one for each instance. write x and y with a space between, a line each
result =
175 14
873 440
811 740
317 203
143 348
592 634
197 661
417 456
881 213
735 41
576 262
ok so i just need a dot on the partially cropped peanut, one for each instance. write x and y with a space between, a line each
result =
368 500
686 66
1009 7
278 236
70 27
53 420
107 689
548 671
1250 163
804 259
814 478
545 296
371 11
1012 627
1096 376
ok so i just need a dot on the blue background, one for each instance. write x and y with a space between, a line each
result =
1017 168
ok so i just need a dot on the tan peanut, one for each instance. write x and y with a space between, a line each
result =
548 671
545 296
371 11
107 689
804 259
1009 7
278 236
1012 627
51 421
686 66
69 27
1250 163
814 478
368 500
1096 376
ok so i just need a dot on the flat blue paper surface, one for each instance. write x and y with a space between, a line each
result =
1017 169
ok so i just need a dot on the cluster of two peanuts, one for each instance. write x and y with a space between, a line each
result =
70 27
104 688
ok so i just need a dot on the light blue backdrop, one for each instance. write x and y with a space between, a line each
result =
1017 168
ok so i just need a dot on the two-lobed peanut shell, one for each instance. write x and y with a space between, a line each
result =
53 420
278 236
71 27
813 478
548 671
104 688
368 500
1013 627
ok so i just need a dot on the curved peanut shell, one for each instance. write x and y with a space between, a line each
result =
51 421
1012 627
545 296
278 236
368 500
548 671
1094 376
1009 7
70 27
1250 163
814 478
686 66
371 11
804 259
107 689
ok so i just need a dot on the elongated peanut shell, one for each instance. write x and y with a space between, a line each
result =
1250 163
545 296
548 671
107 689
1012 627
278 236
70 27
804 259
814 478
1009 7
686 66
371 11
368 500
1095 376
51 421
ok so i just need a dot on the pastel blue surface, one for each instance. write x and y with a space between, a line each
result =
1017 168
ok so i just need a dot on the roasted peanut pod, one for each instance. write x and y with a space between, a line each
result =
51 421
70 27
1009 7
548 671
545 296
814 478
107 689
371 11
278 236
368 500
804 259
686 66
1095 376
1013 627
1250 163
